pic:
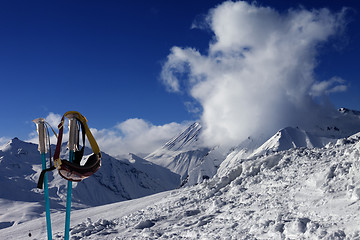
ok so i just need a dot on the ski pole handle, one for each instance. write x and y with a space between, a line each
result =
40 125
72 133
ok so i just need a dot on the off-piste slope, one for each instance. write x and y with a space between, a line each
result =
301 193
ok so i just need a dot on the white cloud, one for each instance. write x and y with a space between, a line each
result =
192 107
334 84
53 119
4 140
133 135
258 74
136 135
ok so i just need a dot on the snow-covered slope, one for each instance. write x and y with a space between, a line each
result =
301 193
187 139
296 185
288 138
121 180
342 124
347 111
194 163
184 156
284 139
20 166
163 176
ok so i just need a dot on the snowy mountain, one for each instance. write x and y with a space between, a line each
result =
184 156
337 126
163 176
340 124
300 193
116 180
298 184
347 111
187 139
194 163
288 138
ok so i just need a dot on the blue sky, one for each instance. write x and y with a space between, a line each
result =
104 59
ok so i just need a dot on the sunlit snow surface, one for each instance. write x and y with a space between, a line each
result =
302 193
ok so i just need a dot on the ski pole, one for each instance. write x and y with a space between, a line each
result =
40 124
72 148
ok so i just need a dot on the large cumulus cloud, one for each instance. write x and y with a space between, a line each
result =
258 73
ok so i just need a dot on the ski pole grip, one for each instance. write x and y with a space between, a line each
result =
72 133
40 124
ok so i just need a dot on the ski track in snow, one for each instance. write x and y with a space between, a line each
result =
303 193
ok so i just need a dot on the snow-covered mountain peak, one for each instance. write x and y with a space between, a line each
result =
19 152
285 139
187 138
290 137
347 111
14 140
184 155
133 158
16 143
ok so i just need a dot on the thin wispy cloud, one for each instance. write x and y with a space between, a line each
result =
258 73
4 140
333 85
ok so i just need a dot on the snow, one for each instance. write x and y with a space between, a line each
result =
161 174
86 220
298 184
117 180
288 138
185 156
297 193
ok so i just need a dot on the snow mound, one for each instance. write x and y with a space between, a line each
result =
302 193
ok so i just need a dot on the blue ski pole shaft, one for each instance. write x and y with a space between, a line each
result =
47 202
68 202
40 124
72 148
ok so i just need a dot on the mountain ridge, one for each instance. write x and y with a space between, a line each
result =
116 180
184 155
195 163
299 193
